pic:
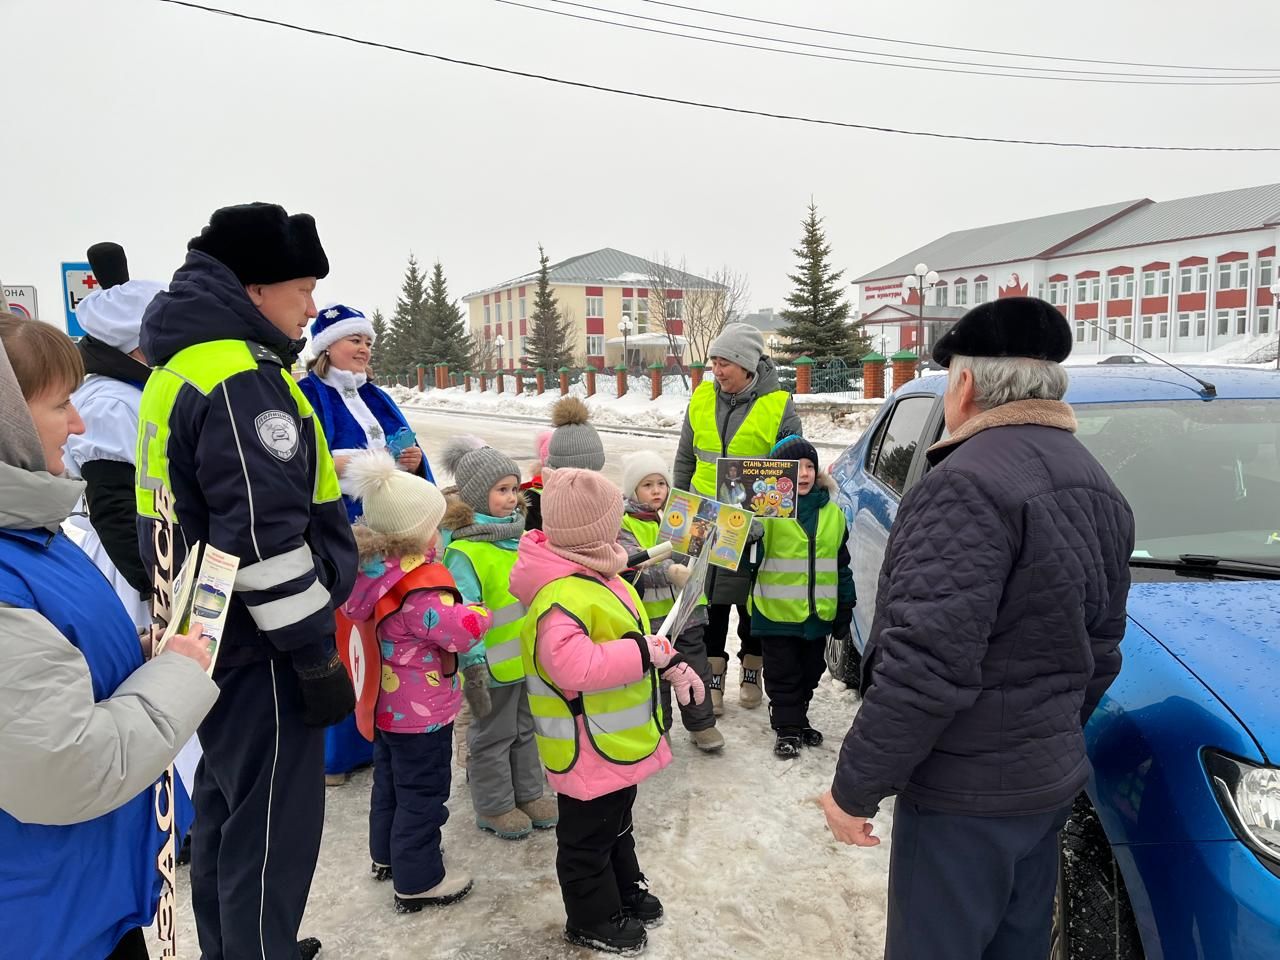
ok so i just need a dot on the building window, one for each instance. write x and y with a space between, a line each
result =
1059 292
940 295
979 291
1242 322
486 315
1233 275
1111 329
1265 266
1193 279
1162 321
675 309
1128 328
595 308
641 316
962 293
1148 326
1264 320
508 311
1079 331
1224 322
1202 323
595 345
1120 287
524 346
1184 325
524 313
1088 289
1155 283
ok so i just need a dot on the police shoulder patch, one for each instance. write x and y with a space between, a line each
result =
278 432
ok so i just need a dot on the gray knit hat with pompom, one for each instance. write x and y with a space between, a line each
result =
574 442
476 469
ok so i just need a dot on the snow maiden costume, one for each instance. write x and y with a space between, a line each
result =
356 416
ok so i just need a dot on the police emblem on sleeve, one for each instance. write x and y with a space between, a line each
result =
278 433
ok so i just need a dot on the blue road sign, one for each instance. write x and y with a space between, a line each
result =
78 282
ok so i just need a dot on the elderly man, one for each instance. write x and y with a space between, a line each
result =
743 412
998 621
227 435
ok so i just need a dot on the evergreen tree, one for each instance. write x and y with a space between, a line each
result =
446 339
818 319
380 342
407 335
549 330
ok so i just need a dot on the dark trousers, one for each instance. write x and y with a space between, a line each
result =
259 799
717 632
596 855
411 777
971 888
695 716
132 946
792 668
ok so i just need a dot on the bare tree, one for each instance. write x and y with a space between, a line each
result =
707 309
482 352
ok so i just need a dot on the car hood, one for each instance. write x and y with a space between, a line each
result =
1226 634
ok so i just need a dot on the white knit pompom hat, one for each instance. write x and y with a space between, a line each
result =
396 504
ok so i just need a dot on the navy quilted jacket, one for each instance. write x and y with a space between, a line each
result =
999 614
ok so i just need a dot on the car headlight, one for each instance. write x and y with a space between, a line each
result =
1250 797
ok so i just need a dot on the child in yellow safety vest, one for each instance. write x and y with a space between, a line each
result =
801 592
485 522
592 670
421 625
646 481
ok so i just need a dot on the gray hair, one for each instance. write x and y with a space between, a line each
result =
1001 380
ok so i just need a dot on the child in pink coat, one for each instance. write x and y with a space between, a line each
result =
422 625
585 646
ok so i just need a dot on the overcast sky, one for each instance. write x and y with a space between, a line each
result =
131 120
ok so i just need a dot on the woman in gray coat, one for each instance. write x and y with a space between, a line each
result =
86 726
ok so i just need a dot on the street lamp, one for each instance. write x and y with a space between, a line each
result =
922 279
1275 316
774 345
624 328
499 342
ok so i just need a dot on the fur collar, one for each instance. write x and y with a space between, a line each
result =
827 482
1036 413
371 545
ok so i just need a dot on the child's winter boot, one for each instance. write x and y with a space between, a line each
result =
811 737
709 740
512 825
543 812
750 694
451 889
642 905
619 934
718 667
380 871
787 746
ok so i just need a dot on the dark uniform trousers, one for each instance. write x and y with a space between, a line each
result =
259 799
971 888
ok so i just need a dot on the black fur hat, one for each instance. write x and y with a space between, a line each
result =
109 264
261 243
1009 327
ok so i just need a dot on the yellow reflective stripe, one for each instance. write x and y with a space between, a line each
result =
774 591
507 615
707 456
781 565
618 721
502 652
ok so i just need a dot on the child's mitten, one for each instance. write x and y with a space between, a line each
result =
475 687
686 683
678 574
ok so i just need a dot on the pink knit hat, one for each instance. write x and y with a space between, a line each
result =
581 516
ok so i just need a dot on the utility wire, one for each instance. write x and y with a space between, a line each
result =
945 46
744 111
998 70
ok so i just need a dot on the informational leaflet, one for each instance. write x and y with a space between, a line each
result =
689 597
202 591
691 521
766 488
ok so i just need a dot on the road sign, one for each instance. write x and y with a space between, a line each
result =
22 301
78 282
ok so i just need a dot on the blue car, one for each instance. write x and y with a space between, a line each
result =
1173 851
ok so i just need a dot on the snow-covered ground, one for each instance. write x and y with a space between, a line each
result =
734 845
1258 352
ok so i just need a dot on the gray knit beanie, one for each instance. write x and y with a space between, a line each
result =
739 343
574 442
476 469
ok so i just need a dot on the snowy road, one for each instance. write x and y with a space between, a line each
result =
734 845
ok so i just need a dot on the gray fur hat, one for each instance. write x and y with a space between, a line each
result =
574 442
476 468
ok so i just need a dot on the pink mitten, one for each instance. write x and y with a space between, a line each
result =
686 683
660 651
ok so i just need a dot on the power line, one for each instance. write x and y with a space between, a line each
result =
998 70
944 46
745 111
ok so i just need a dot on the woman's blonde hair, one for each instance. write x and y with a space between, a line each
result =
43 358
319 364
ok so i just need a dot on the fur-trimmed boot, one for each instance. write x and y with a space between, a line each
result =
750 694
718 667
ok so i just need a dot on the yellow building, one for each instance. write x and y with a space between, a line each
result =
596 291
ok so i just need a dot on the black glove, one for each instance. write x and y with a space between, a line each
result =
844 619
327 694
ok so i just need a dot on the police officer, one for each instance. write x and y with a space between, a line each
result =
229 439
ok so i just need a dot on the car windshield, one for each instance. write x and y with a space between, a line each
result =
1202 478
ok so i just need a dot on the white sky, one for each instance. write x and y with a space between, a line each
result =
131 120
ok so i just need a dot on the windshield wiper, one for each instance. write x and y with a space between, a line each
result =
1208 563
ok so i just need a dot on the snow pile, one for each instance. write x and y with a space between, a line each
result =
734 845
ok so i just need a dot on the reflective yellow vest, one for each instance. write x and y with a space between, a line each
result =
623 724
204 366
657 602
755 436
798 576
492 565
